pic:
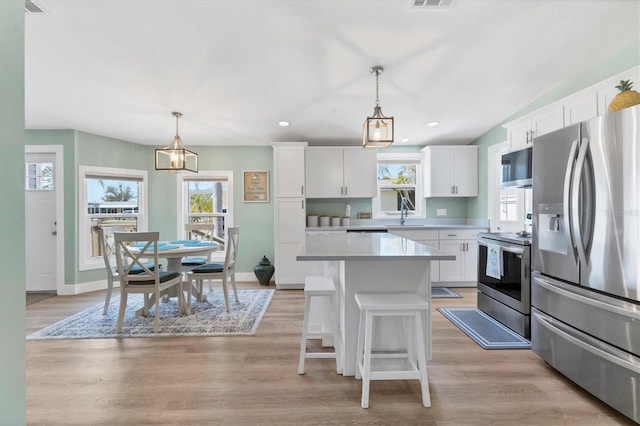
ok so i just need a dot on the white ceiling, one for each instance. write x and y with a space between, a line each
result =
235 68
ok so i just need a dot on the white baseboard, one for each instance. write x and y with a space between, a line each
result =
73 289
294 286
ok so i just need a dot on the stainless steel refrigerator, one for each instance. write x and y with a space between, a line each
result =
585 293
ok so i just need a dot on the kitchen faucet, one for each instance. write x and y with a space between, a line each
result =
404 209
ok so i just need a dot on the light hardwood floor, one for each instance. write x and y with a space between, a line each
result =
253 380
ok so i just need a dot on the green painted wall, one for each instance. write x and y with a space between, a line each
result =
80 148
255 219
12 225
619 61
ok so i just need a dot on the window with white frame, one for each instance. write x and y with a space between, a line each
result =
108 197
39 177
506 206
399 177
206 198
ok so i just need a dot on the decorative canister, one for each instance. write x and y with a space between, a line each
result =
346 221
312 220
324 220
264 270
335 220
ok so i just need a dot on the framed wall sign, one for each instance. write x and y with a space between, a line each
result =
255 186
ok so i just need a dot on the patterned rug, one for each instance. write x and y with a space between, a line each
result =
484 330
208 318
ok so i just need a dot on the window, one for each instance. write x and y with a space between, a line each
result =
109 197
507 206
511 204
39 176
399 176
206 198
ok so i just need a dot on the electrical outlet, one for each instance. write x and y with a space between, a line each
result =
441 212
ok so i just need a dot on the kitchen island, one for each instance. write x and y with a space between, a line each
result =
371 262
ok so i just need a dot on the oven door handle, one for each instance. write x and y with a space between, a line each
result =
510 249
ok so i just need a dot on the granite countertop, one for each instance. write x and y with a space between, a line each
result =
367 246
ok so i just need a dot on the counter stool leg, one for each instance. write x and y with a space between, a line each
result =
360 346
422 360
335 326
303 340
366 374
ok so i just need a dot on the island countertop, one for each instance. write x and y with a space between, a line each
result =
367 246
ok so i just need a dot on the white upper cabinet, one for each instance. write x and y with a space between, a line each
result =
341 172
450 171
288 165
360 173
545 120
580 107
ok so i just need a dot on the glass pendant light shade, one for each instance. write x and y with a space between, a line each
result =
176 157
377 130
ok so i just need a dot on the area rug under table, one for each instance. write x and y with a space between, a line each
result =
484 330
208 318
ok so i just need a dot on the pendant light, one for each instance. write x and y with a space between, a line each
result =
377 130
176 157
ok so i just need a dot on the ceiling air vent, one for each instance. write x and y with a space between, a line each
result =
31 7
431 4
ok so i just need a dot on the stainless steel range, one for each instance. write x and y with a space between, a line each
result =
504 279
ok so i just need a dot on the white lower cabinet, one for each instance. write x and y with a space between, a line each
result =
464 245
289 242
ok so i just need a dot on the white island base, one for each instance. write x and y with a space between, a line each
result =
370 263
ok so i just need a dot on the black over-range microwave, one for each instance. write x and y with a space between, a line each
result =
516 168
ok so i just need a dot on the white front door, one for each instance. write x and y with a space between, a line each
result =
41 227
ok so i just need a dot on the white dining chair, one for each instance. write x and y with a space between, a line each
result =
150 282
201 232
107 246
217 271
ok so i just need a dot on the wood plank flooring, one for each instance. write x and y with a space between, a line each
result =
250 380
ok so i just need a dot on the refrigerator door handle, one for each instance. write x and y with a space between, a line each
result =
596 304
567 198
548 323
575 198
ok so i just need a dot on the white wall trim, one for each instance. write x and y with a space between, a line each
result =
86 263
73 289
203 175
492 214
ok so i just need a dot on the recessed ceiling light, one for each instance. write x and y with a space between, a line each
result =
283 123
405 140
433 123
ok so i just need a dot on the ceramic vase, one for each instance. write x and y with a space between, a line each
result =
264 271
